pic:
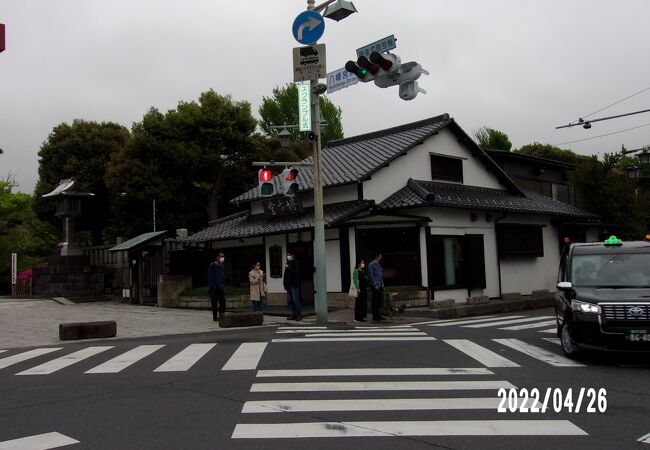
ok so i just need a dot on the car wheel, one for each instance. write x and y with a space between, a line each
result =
568 345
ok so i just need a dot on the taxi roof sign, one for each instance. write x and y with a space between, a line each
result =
613 241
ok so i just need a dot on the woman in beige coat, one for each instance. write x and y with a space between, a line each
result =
258 287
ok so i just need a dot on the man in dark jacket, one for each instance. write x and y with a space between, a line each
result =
291 282
216 285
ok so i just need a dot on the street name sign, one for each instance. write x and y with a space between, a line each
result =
309 63
380 46
340 79
304 108
308 27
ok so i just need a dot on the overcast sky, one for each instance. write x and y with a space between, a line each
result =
520 66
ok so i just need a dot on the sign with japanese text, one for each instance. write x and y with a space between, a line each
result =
381 46
304 106
309 63
340 79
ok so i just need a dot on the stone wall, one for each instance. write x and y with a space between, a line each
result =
69 281
169 288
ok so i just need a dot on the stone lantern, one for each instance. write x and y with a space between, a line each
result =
68 207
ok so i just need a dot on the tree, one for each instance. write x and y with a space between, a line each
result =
551 152
80 151
21 232
492 139
191 160
605 190
282 109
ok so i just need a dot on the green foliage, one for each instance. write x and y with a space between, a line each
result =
80 151
191 160
282 108
492 139
604 189
550 152
21 232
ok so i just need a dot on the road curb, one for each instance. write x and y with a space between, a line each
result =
492 307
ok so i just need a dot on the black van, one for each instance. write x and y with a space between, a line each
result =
602 301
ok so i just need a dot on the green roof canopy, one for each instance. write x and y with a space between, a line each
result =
138 241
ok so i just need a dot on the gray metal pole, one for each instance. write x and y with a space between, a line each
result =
154 214
320 279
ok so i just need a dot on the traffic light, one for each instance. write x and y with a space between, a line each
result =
387 70
265 182
289 181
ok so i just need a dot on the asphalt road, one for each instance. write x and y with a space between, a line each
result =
430 385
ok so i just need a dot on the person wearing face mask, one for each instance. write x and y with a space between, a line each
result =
377 285
291 282
360 280
216 285
258 287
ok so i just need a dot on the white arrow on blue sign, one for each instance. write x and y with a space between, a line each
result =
308 27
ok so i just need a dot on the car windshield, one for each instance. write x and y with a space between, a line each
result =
611 270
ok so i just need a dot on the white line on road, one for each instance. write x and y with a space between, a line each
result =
374 372
553 340
508 322
327 386
38 442
247 356
125 360
356 339
451 320
2 351
549 331
186 358
645 439
356 330
413 333
380 404
409 428
470 321
530 325
20 357
481 354
302 328
538 353
64 361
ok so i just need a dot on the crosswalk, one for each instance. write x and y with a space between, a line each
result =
296 398
245 357
509 323
488 353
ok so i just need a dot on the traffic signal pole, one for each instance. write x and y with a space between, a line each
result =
320 279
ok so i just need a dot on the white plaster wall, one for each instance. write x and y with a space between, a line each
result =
423 257
527 274
333 269
275 284
416 164
352 238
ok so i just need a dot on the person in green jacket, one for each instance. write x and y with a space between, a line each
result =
360 280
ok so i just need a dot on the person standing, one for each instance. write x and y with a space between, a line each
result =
291 282
216 283
258 291
377 285
360 280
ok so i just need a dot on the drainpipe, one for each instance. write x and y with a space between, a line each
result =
498 255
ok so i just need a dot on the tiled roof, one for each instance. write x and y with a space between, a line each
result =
243 225
138 241
429 193
353 159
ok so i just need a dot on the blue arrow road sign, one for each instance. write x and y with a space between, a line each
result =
308 27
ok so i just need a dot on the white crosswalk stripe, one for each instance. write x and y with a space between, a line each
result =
358 339
508 322
408 428
454 322
549 331
65 361
529 325
125 360
373 372
20 357
538 353
486 357
247 356
358 334
338 386
185 359
43 441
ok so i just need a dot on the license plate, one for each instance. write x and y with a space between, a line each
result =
637 335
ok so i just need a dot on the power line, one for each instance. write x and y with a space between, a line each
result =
586 124
616 103
603 135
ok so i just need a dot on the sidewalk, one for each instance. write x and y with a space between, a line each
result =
35 322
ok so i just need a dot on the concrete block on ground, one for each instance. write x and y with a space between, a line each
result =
511 296
541 293
241 319
87 330
447 303
477 300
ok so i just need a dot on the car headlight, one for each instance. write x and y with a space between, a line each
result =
584 307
